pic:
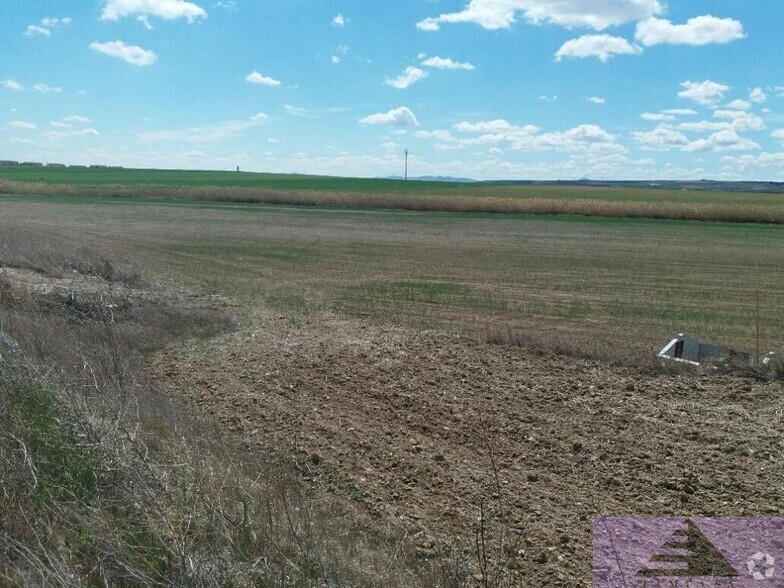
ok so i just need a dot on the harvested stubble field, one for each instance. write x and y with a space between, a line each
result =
404 359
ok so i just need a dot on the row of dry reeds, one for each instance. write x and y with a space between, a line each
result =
715 212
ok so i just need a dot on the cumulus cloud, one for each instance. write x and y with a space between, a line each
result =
545 98
741 120
214 133
35 30
446 63
256 78
739 105
757 95
707 93
603 47
680 111
47 24
313 112
726 140
46 89
704 126
60 135
401 117
596 99
582 138
165 9
128 53
76 119
700 30
409 77
339 21
664 139
56 22
661 138
778 134
12 85
657 116
500 14
22 125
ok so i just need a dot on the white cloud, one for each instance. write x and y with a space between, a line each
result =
165 9
661 138
707 93
596 99
680 111
446 63
552 98
76 119
490 126
35 30
603 47
339 20
128 53
257 78
664 139
582 138
46 89
657 116
704 126
741 120
55 22
215 133
60 135
722 141
409 77
46 25
12 85
757 95
340 53
399 116
313 112
444 136
700 30
739 105
22 125
500 14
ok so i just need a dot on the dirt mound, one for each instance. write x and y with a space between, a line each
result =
425 428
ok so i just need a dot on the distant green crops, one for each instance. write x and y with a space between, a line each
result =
300 190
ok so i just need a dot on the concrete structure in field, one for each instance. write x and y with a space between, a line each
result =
8 163
32 163
688 350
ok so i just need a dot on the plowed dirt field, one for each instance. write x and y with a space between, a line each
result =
429 430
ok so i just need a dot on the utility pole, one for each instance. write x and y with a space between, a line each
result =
405 177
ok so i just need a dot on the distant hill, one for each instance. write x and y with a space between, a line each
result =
433 179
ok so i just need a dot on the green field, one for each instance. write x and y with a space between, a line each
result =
326 184
614 284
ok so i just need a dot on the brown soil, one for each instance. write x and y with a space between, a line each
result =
423 428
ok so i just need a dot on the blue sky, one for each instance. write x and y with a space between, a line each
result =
489 89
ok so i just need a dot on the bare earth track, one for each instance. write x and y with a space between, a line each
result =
422 428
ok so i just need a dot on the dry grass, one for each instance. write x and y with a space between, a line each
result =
104 481
25 250
714 212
